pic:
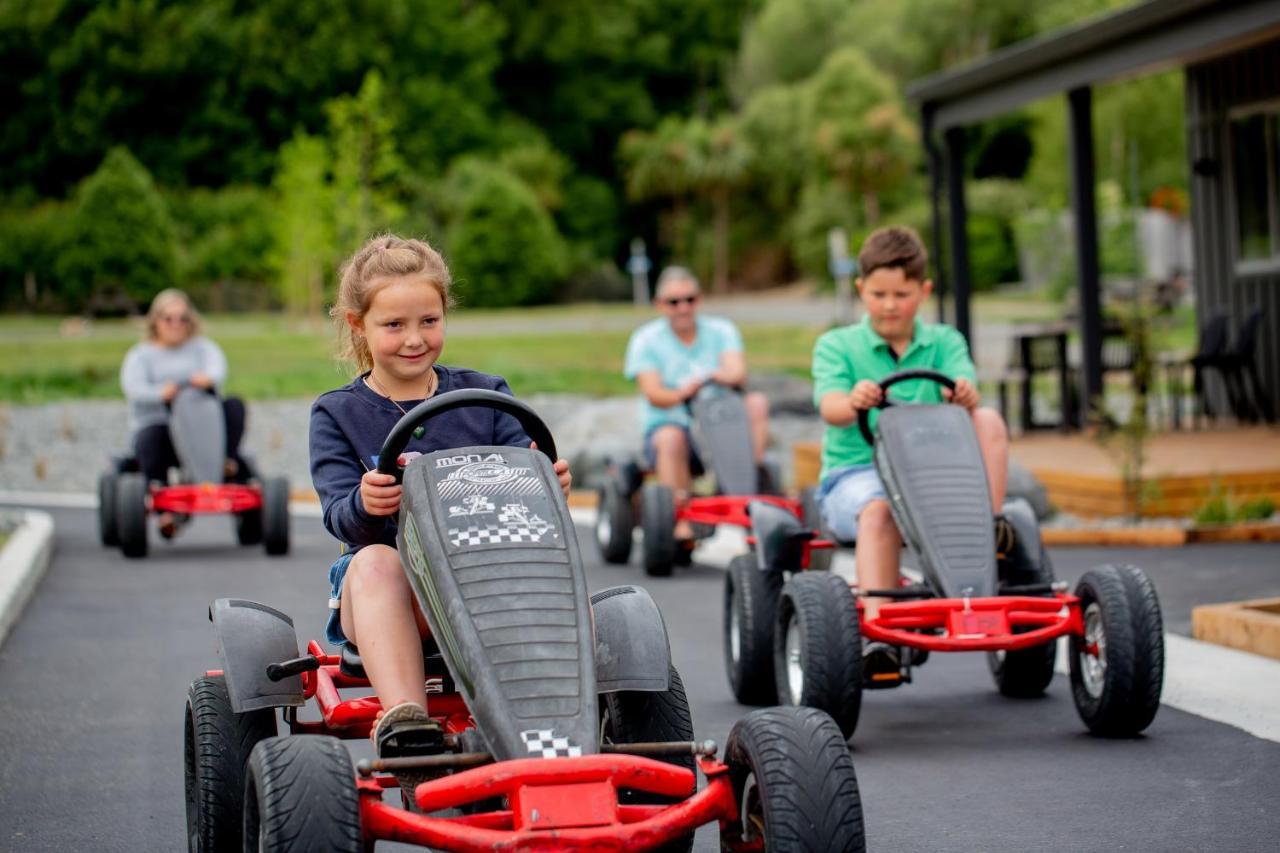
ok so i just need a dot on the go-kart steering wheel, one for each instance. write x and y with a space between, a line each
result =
398 438
864 415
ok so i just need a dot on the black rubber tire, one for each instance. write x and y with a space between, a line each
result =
823 610
216 749
131 514
108 533
750 605
768 478
636 716
1025 674
1128 696
275 515
658 521
819 558
249 527
805 796
615 521
300 797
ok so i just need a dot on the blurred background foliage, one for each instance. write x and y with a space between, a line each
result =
241 150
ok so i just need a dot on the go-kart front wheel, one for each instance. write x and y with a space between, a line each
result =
216 749
131 514
275 515
750 608
614 521
300 795
639 716
107 531
1117 667
1025 674
794 783
817 648
658 522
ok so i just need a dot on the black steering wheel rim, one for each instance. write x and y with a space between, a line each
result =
398 439
864 415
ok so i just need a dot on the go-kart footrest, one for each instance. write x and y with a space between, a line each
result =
903 592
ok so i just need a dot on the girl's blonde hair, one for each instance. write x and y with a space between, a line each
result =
165 297
384 257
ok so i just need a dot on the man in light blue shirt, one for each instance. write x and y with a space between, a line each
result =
670 359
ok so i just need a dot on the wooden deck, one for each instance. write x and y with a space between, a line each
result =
1182 469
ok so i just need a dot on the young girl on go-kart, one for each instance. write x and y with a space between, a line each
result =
390 312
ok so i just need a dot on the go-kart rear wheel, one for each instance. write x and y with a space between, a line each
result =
275 515
216 750
107 531
1117 667
658 521
817 648
614 521
1025 674
794 783
750 608
637 716
819 558
249 526
131 514
300 795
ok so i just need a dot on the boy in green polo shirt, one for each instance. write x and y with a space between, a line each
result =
848 364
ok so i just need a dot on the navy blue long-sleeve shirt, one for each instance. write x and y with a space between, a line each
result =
349 425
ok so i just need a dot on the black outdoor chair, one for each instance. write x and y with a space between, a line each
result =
1240 373
1208 356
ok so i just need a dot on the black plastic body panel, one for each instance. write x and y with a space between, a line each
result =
632 649
780 537
724 436
199 434
929 460
490 551
251 636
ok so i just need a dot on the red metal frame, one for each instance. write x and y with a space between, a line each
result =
975 624
724 509
554 803
206 498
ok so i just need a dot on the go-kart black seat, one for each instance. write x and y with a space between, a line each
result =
349 663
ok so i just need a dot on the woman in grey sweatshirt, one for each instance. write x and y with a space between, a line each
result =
173 355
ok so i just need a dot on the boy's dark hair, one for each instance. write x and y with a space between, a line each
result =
894 247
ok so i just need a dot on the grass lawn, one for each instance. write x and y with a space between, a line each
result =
274 357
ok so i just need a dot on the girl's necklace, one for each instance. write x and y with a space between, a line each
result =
421 430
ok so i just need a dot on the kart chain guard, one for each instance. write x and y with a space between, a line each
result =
199 435
490 551
724 434
252 636
929 460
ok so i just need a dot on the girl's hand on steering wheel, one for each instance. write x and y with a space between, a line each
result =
168 391
965 395
561 467
201 381
380 493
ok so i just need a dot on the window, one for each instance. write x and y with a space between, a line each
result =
1255 156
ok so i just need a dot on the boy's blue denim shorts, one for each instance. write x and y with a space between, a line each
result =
844 494
337 573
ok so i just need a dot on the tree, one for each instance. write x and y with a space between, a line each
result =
121 237
719 165
502 246
366 165
304 239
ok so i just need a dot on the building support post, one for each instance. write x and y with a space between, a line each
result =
1088 272
958 230
935 213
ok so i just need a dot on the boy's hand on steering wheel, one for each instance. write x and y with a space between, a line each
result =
561 467
865 395
965 394
380 493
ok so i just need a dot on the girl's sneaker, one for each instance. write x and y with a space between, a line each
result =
404 731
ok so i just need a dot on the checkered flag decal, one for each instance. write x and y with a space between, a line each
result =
545 743
493 534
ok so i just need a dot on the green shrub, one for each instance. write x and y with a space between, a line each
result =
502 246
31 240
993 260
121 238
224 235
1256 509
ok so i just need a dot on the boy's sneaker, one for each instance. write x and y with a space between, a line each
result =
881 666
408 731
1006 537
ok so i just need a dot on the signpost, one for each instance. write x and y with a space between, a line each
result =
843 268
639 265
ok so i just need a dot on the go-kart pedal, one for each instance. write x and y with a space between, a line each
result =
881 667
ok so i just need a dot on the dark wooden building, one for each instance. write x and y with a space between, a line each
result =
1229 51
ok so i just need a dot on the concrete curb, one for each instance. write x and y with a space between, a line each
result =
22 564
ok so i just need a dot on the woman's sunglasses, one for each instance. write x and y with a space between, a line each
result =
175 318
676 300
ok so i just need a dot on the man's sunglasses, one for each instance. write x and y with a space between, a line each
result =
676 300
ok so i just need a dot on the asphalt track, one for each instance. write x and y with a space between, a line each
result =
93 681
